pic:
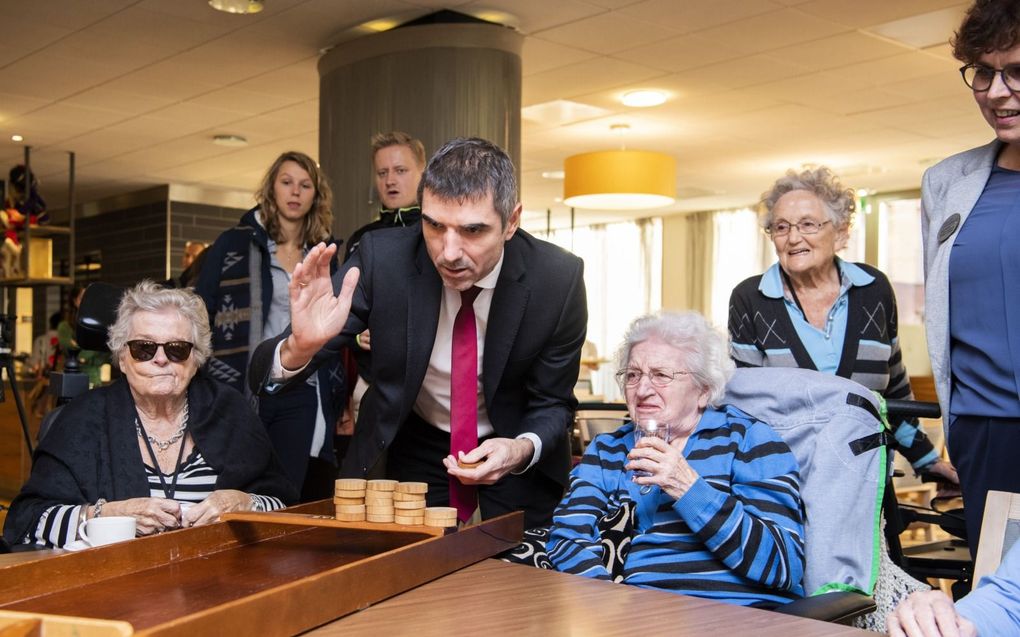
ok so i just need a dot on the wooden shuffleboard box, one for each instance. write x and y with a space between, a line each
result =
256 574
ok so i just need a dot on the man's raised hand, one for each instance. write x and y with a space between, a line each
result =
315 314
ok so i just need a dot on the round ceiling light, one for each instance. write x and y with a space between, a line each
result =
233 141
643 98
238 6
17 138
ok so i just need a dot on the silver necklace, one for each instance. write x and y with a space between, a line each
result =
163 445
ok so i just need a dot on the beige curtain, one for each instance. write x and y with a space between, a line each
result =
687 246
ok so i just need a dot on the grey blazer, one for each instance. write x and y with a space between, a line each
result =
949 191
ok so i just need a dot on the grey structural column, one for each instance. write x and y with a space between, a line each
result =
433 81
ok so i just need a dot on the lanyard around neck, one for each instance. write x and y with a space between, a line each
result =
168 492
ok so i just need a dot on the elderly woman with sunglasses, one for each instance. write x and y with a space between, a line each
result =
718 512
165 444
816 311
970 231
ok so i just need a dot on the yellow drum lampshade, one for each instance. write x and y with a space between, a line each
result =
619 180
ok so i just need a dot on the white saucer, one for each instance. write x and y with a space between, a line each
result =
77 545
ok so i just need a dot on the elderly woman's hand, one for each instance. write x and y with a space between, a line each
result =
152 515
209 510
665 465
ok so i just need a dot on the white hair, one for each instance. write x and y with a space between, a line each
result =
149 296
706 351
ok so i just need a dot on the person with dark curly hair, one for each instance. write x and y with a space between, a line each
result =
814 310
970 230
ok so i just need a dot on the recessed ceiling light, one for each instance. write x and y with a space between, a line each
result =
552 174
383 24
643 98
233 141
497 17
237 6
17 138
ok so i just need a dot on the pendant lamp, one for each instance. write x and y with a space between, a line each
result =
619 180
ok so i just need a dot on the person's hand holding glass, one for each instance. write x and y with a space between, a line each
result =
648 428
665 409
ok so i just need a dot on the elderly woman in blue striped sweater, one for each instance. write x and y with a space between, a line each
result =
719 513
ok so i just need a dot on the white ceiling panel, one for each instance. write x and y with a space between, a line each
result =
132 103
772 30
540 55
167 80
680 53
71 15
12 104
138 88
695 15
865 13
839 50
607 33
51 76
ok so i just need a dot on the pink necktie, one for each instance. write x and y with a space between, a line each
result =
464 398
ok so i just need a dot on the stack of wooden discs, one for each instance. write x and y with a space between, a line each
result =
349 499
440 516
409 503
379 500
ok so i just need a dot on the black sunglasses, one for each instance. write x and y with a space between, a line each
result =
176 351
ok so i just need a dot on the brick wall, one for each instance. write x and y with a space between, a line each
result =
197 222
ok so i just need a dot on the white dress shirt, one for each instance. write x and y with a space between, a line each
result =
433 401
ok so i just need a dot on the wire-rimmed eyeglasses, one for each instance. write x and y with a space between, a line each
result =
980 77
632 376
808 226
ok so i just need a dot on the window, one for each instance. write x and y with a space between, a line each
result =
623 280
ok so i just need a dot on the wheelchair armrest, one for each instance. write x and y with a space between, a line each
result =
838 607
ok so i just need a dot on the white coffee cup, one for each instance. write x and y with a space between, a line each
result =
107 530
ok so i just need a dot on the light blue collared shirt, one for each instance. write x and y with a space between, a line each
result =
825 346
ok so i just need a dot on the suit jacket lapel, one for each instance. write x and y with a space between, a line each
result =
964 192
509 301
424 294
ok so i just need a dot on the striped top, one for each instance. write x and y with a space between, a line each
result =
763 333
58 525
736 536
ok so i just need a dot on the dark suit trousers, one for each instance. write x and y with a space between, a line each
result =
289 417
982 450
417 453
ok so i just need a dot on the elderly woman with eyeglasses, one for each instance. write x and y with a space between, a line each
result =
717 508
165 444
970 232
816 311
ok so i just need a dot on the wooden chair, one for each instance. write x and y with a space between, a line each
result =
1000 529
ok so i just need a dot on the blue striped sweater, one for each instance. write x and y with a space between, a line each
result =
736 536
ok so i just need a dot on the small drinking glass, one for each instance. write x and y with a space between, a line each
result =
649 427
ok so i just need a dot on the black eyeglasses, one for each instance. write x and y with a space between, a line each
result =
782 228
176 351
980 77
631 377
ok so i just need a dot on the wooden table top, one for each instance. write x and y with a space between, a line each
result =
503 599
510 599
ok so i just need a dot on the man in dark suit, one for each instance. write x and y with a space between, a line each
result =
410 287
